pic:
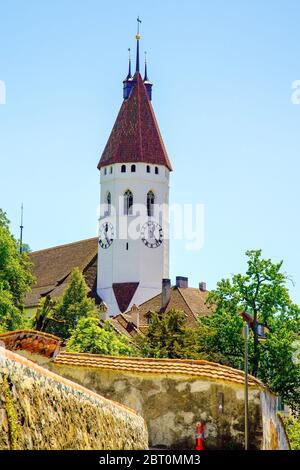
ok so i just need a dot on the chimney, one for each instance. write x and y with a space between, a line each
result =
166 292
103 311
182 282
135 315
202 286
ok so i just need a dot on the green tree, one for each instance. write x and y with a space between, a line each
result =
11 317
73 305
15 278
261 291
169 336
219 338
90 337
278 368
292 427
45 314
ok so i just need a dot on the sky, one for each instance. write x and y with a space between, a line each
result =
222 74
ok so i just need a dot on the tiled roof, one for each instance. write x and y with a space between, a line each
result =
135 136
203 369
32 341
52 267
124 292
189 299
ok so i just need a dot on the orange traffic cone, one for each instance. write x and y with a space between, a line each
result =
199 436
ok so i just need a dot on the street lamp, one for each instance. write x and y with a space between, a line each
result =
246 336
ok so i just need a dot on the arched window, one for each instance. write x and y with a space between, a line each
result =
128 202
108 203
148 169
150 203
133 168
156 170
123 169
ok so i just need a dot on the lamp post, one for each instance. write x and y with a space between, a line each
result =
246 336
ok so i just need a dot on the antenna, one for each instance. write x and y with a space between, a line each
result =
21 231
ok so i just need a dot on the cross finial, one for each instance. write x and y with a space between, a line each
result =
138 25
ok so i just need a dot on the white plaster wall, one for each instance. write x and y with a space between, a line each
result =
139 263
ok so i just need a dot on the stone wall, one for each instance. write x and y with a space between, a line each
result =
274 434
40 410
172 395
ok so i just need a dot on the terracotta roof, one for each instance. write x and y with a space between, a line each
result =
135 136
124 292
123 324
52 267
203 369
189 299
32 341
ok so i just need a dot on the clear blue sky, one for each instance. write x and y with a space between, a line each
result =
222 74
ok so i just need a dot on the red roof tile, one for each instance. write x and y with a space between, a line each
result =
135 136
124 292
52 268
187 367
36 342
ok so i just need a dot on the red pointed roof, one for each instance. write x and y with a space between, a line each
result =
135 136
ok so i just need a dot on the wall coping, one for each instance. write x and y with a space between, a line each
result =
61 380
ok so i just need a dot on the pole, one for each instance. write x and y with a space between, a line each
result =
246 335
21 231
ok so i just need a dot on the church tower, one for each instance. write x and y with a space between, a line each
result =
134 169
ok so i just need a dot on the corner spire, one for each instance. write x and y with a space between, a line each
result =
128 82
146 74
129 65
138 37
146 80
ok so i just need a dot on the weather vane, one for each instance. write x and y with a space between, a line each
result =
138 25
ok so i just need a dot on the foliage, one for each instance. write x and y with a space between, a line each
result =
73 305
15 269
45 314
11 413
15 278
220 339
292 427
90 337
169 336
25 247
262 292
11 317
278 369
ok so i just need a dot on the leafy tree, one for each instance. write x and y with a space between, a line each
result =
73 305
292 427
169 336
261 291
15 278
90 337
15 269
278 368
11 317
219 338
45 314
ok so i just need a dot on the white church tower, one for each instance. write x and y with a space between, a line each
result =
133 226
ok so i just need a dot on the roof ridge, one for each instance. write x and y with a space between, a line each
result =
32 332
63 245
112 362
184 299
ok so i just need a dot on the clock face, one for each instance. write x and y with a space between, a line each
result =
106 235
152 234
